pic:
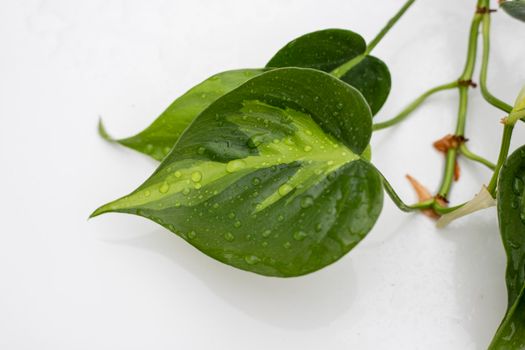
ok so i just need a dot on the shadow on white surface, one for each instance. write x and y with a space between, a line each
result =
305 302
479 274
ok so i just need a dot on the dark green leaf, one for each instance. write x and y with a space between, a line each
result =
158 138
269 178
323 50
511 213
515 8
372 78
329 49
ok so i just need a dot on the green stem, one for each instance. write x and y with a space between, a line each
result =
466 76
503 153
345 67
496 102
462 113
414 105
448 176
445 210
388 26
470 64
463 149
399 202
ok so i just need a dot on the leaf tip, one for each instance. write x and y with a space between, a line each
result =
103 132
99 211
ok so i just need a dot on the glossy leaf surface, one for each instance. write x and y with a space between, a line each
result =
323 50
328 49
515 8
372 78
511 213
269 178
158 138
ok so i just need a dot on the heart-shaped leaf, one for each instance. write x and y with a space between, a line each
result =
515 8
158 138
511 214
330 49
269 178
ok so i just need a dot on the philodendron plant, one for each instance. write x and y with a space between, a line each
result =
268 169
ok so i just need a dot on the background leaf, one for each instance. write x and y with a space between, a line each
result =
372 78
330 48
269 178
158 138
511 213
515 8
323 50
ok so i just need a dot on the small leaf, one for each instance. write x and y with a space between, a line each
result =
520 100
515 8
519 105
511 214
158 138
269 178
329 49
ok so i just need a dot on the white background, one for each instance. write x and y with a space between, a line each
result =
121 282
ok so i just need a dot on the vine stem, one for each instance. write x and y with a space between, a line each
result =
388 26
496 102
345 67
399 202
503 153
480 19
414 105
465 151
466 76
428 204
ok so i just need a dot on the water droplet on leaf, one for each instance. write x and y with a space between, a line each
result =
517 185
235 165
306 202
196 176
251 259
164 188
299 235
285 189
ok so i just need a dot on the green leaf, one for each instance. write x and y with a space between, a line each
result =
372 78
158 138
511 214
269 178
330 49
519 106
515 8
323 50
